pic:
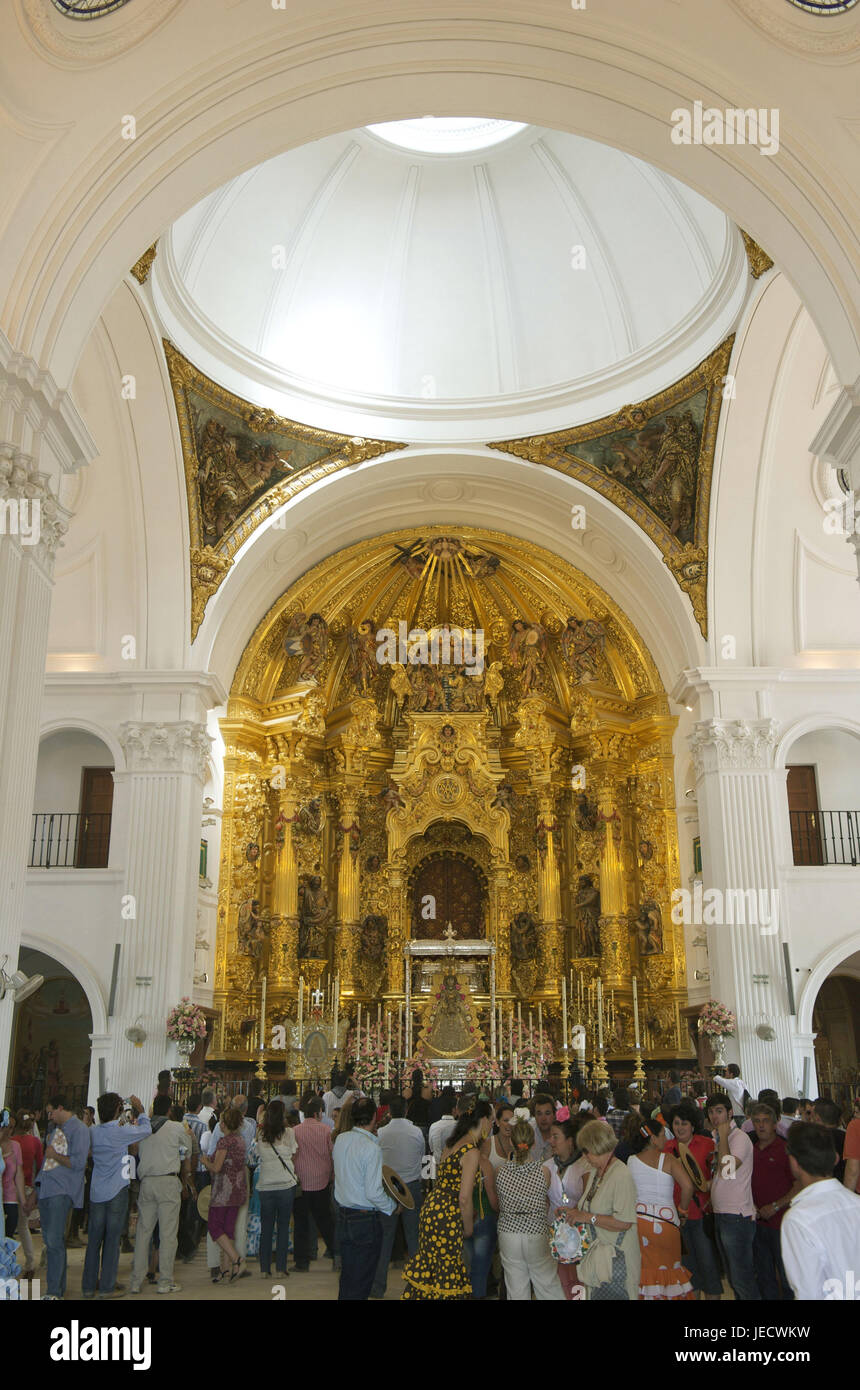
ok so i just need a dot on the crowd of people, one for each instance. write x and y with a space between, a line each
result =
613 1197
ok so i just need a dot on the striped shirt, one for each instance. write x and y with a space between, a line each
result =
313 1160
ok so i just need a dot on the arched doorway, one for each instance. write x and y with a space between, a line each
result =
836 1023
51 1047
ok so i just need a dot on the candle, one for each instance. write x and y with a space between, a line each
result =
301 1006
336 1008
263 1015
564 1013
514 1065
388 1050
530 1025
400 1029
600 1013
501 1032
369 1045
378 1015
510 1033
636 1012
519 1023
540 1025
358 1031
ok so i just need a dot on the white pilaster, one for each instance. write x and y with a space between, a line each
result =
165 776
739 809
26 578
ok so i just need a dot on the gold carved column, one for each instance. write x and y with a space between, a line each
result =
285 921
614 930
537 738
348 888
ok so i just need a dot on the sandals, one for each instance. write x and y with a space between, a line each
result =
236 1270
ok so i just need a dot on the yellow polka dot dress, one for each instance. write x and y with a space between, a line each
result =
437 1270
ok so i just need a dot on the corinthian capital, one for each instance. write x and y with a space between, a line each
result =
180 747
30 515
733 745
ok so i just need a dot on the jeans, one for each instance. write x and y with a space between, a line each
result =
104 1234
360 1243
389 1231
700 1257
53 1214
276 1205
735 1237
480 1246
767 1259
318 1205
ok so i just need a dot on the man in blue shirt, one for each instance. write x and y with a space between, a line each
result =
361 1202
60 1186
109 1144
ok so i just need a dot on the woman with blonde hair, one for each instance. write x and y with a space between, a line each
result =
606 1214
522 1187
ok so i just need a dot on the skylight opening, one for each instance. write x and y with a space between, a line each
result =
446 134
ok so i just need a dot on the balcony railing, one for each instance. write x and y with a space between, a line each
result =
825 837
68 840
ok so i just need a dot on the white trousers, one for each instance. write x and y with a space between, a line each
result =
528 1264
240 1239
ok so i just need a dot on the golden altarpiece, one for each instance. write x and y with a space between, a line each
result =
443 737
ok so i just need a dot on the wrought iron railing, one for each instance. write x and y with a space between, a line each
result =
825 837
69 840
88 9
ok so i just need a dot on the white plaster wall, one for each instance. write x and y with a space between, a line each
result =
62 756
836 758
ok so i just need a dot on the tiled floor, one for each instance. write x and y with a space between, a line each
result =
319 1284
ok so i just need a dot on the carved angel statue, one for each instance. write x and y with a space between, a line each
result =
362 655
582 644
309 818
649 928
314 912
523 937
391 798
504 798
399 684
251 931
588 915
494 683
307 638
527 649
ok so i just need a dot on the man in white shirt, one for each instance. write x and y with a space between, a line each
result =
442 1127
403 1149
821 1230
207 1110
735 1088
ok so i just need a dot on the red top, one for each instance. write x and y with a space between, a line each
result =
701 1146
313 1160
32 1151
771 1178
852 1144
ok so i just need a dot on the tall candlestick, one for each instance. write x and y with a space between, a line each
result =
301 1007
379 1015
514 1065
600 1013
519 1024
511 1034
636 1011
540 1026
336 1007
263 1015
501 1032
530 1025
369 1045
400 1029
358 1031
564 1013
388 1050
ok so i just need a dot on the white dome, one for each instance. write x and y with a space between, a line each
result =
360 285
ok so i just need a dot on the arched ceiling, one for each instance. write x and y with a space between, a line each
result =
539 281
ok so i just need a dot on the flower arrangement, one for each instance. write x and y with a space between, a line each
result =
532 1062
186 1022
432 1075
485 1072
716 1020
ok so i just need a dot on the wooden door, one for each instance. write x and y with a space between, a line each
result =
452 887
804 814
95 817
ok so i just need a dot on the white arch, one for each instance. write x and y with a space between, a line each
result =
258 88
77 966
87 726
808 724
825 964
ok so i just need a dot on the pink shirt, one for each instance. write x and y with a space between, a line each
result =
314 1164
14 1161
731 1186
